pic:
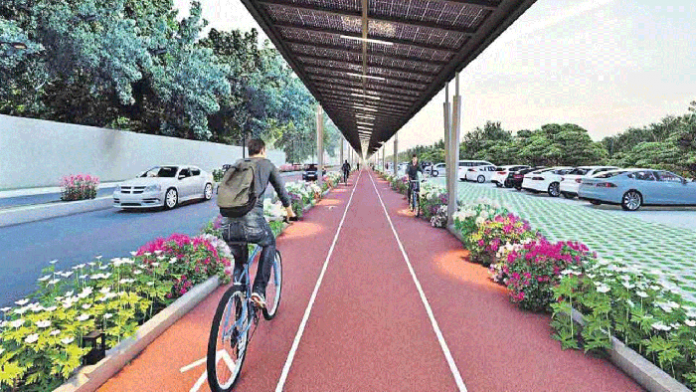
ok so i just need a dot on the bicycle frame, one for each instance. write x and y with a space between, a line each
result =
242 324
415 192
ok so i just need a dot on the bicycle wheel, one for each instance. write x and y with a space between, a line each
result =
273 290
228 340
416 204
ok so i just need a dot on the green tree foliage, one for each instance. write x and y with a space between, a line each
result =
130 64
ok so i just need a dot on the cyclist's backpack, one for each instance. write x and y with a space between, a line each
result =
236 193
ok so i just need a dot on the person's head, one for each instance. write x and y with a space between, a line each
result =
346 161
414 159
257 148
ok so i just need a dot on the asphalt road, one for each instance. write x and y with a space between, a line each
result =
26 249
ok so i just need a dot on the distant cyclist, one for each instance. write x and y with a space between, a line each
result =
346 171
412 172
252 227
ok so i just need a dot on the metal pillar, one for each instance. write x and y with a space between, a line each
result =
340 162
320 146
447 112
396 153
454 153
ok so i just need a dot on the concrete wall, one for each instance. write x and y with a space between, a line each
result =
36 153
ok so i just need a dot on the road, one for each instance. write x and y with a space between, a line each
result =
26 249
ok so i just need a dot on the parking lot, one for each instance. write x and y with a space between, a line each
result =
652 238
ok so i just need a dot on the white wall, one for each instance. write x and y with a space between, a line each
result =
37 153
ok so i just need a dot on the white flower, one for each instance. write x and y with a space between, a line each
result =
5 310
479 221
22 302
108 315
36 308
86 306
150 283
55 332
78 267
160 258
86 292
158 252
107 275
602 288
53 281
148 254
43 324
98 257
104 267
84 276
155 265
51 308
105 290
96 277
133 253
642 294
137 272
661 326
628 285
630 303
67 274
172 260
67 340
91 263
67 305
44 278
17 323
83 317
53 262
665 306
21 311
32 338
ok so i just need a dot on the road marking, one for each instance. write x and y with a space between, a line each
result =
222 354
308 311
428 309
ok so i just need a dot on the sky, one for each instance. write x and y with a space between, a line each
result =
605 65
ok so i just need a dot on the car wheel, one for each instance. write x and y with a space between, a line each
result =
435 173
208 192
171 199
554 189
519 188
567 195
596 202
631 201
481 179
508 184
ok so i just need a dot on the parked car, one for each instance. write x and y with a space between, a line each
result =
479 174
502 175
634 188
545 180
164 186
570 183
517 177
437 170
465 165
310 173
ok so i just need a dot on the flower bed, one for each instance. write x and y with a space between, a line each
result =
78 187
643 310
42 337
432 197
218 174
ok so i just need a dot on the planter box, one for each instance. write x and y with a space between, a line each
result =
644 372
90 378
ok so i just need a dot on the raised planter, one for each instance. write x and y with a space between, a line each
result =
53 210
90 378
642 371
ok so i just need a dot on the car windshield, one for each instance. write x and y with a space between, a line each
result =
580 171
312 168
161 171
610 174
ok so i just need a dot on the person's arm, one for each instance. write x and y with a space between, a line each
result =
279 187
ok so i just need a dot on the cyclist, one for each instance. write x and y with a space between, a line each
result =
346 171
412 172
252 227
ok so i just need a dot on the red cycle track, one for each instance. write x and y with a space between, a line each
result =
368 329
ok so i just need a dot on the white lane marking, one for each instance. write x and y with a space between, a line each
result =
300 330
436 327
222 354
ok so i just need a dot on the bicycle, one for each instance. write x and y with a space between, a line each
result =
234 318
415 197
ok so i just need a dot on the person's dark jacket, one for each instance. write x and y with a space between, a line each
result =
346 166
412 171
267 172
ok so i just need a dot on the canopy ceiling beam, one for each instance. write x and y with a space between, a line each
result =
358 14
382 81
359 51
328 87
484 4
369 64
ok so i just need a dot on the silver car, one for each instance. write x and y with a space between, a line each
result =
164 186
633 188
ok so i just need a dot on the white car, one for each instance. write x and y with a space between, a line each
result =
501 174
480 174
464 166
438 170
164 186
545 180
570 183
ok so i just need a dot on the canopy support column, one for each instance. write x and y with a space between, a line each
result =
396 154
453 153
320 146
